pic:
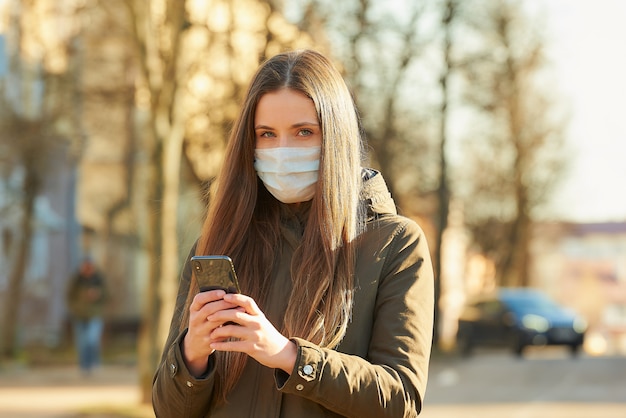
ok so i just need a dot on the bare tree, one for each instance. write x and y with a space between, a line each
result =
157 29
31 145
450 10
516 155
36 127
379 49
29 140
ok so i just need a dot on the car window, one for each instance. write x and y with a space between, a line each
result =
532 303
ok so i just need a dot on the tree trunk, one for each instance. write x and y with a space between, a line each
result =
513 270
169 217
159 49
149 347
13 296
443 190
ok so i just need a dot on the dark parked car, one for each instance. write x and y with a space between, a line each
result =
517 318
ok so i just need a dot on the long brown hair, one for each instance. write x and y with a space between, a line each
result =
243 218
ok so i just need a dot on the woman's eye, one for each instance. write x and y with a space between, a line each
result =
267 134
305 132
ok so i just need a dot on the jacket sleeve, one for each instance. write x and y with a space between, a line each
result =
175 392
391 379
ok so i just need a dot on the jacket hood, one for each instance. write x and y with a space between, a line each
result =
375 195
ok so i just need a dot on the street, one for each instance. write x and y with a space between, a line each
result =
62 392
546 383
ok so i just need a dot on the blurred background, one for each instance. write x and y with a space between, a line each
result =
498 125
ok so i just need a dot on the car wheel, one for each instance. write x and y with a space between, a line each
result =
574 349
518 345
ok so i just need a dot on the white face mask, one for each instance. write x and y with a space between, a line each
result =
290 173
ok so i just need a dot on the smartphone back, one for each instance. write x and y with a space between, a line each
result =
215 272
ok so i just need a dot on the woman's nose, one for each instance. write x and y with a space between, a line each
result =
285 140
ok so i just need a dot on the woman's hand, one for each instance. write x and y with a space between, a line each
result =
252 334
197 342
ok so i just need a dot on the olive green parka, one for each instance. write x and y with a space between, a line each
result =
379 369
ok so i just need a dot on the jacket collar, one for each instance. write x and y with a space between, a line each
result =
375 200
375 195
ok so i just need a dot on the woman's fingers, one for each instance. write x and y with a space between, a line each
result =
206 303
244 301
202 298
234 322
202 321
257 337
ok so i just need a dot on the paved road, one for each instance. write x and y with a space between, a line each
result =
545 384
62 392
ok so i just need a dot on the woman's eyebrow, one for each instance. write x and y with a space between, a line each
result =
295 125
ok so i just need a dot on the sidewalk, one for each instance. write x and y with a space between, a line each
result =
62 392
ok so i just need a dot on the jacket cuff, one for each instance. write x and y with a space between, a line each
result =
307 370
177 369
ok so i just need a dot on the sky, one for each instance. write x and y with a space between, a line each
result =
586 46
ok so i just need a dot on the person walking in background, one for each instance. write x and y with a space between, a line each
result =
86 298
335 314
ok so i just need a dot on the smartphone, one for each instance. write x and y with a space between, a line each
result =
215 272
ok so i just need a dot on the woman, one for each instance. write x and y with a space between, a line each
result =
336 306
